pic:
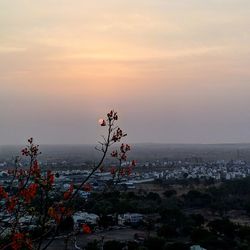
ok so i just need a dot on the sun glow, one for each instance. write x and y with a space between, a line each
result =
172 60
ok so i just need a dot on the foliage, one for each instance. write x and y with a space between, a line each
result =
113 245
33 212
153 243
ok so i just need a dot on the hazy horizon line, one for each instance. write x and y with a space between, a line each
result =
134 143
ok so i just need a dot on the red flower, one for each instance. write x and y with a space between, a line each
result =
50 177
112 115
122 171
86 229
117 135
68 193
133 163
122 148
12 202
17 241
87 187
123 157
115 116
53 214
113 170
35 170
62 210
51 211
114 154
129 171
128 147
30 140
20 241
29 193
25 151
3 194
102 122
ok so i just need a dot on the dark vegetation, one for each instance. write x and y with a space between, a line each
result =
182 221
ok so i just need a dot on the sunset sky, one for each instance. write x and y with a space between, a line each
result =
177 71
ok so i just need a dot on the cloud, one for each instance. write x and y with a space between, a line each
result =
6 49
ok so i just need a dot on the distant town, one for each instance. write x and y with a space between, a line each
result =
152 187
147 171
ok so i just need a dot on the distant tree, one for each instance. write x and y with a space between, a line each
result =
113 245
132 245
201 235
197 199
167 231
177 246
173 217
223 227
170 193
154 196
198 219
94 245
154 243
66 225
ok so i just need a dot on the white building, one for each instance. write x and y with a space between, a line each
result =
83 217
132 218
197 247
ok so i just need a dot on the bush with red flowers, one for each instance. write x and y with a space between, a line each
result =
30 194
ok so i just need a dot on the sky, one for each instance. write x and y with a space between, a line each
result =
177 71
